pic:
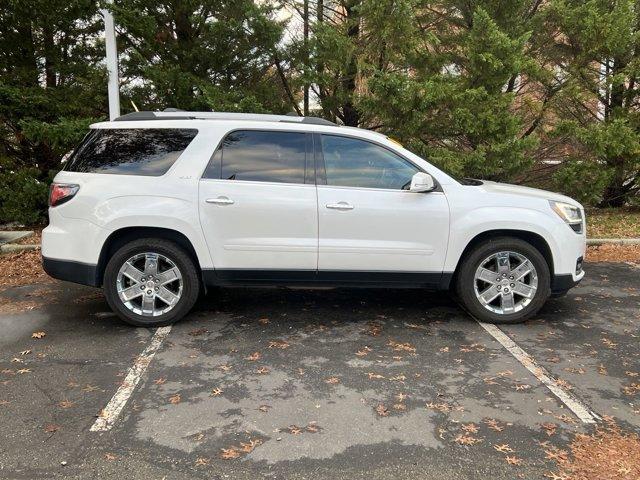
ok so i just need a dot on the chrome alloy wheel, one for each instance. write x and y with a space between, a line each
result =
149 284
505 282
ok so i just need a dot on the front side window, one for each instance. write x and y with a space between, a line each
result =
260 156
351 162
130 151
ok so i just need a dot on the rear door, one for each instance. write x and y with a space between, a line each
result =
258 205
368 220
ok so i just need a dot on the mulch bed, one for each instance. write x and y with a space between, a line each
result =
614 253
607 454
23 268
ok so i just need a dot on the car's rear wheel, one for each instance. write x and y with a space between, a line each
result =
151 282
503 280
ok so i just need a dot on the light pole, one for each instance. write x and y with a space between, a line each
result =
112 63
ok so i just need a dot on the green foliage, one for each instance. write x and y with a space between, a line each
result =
199 55
581 179
488 88
23 198
599 44
456 91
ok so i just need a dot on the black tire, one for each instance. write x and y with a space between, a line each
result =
465 283
182 260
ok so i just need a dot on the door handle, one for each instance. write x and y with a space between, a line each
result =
220 201
340 206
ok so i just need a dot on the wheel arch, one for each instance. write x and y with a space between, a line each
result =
120 237
534 239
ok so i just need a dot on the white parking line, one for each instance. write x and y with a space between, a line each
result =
578 408
110 413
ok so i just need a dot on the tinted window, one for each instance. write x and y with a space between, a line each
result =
351 162
261 156
130 151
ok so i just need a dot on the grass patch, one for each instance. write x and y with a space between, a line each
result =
613 223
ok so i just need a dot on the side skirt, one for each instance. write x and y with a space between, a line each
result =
324 278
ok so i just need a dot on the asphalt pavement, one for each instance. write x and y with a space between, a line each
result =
288 383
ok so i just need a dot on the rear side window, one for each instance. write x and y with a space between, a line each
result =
260 156
130 151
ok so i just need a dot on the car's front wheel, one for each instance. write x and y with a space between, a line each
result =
503 280
151 282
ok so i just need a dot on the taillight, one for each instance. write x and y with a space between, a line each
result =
61 192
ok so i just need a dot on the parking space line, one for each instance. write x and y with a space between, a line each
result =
110 413
578 408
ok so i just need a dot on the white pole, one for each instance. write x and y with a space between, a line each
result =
112 63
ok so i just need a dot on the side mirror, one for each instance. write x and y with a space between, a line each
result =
422 182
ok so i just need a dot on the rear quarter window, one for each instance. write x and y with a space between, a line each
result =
130 151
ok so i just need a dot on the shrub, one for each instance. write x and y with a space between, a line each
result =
23 198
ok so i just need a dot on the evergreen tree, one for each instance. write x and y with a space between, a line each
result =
600 43
448 78
200 54
51 88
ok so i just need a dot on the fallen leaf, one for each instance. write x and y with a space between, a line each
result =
229 453
216 392
464 439
332 380
470 428
175 399
312 428
560 456
363 352
263 321
201 461
25 352
550 428
279 344
249 447
264 408
373 375
38 335
254 356
440 407
382 410
23 371
513 460
66 404
374 329
160 381
402 347
504 448
110 456
51 428
262 371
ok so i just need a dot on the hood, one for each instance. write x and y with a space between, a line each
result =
506 188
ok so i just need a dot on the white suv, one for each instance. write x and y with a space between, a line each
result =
156 206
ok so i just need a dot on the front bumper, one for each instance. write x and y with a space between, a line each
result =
70 271
561 284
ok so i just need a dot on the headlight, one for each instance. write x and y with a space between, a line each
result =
571 214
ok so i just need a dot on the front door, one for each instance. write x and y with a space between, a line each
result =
258 205
368 220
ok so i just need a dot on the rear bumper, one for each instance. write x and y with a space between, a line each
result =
70 271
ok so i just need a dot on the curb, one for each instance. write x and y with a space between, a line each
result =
613 241
14 248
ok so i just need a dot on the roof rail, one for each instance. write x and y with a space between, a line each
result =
174 114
